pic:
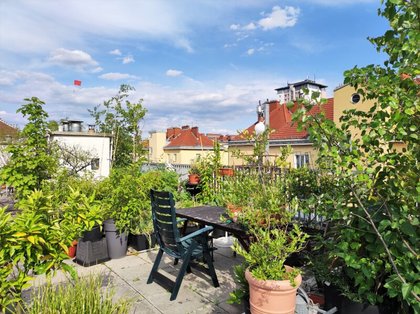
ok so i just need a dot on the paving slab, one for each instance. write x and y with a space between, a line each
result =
128 277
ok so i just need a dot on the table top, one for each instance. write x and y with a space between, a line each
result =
210 215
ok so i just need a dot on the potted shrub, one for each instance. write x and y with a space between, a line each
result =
116 230
272 284
80 213
117 191
141 230
141 227
194 174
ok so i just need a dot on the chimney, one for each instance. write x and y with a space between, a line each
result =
91 129
170 132
177 131
273 104
194 130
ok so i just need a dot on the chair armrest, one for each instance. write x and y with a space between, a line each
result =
196 233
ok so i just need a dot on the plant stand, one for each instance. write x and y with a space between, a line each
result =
91 253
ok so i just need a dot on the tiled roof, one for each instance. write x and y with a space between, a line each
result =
7 130
281 121
189 137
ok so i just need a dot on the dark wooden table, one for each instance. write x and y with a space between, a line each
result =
210 216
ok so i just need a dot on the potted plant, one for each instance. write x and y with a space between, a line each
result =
116 230
272 284
141 231
226 171
117 191
80 214
194 174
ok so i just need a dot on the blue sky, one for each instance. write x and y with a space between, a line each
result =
202 62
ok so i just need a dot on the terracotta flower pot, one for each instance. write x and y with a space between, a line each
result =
272 296
234 211
72 249
193 178
226 172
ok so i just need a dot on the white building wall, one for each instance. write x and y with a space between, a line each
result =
99 145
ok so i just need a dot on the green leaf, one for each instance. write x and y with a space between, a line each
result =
406 289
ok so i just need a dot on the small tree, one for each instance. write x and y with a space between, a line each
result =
122 120
31 160
376 211
75 158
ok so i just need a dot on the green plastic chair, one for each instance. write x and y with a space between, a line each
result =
190 247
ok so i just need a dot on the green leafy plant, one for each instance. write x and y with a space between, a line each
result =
127 195
375 239
269 250
81 295
32 160
36 240
241 293
122 118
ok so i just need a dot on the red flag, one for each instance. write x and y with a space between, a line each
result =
77 83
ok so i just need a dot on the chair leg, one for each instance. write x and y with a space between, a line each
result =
184 266
212 272
155 266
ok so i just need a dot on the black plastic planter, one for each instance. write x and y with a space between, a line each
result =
344 305
140 242
93 235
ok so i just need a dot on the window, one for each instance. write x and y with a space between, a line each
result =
301 160
94 164
355 98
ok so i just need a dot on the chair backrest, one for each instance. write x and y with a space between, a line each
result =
165 223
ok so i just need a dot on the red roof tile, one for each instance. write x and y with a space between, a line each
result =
189 137
7 130
281 120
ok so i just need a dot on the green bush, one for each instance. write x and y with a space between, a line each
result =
126 193
36 240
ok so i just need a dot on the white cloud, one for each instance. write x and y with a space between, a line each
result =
173 73
97 70
280 18
277 18
128 59
228 107
73 58
341 2
229 45
7 77
40 26
113 76
184 43
115 52
251 26
250 51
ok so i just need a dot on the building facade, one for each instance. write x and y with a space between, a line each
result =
294 91
182 145
96 147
